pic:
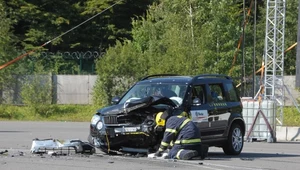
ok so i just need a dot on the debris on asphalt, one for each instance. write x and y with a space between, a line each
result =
54 147
99 155
173 160
247 159
138 155
52 153
21 153
3 152
164 156
111 162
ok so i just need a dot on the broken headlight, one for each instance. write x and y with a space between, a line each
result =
95 119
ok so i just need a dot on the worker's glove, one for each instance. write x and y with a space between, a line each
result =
158 154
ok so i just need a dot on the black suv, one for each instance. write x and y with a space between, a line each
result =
211 101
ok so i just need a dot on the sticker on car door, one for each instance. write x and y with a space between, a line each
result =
199 115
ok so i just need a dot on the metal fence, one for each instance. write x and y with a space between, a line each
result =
78 89
67 89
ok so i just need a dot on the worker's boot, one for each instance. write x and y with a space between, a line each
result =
204 151
188 154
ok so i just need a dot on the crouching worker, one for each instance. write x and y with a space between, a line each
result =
183 134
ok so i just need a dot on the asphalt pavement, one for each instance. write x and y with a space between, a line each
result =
16 137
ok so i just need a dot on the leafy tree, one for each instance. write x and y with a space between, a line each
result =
117 71
177 37
37 22
115 23
168 37
220 35
41 21
291 27
203 35
7 50
37 93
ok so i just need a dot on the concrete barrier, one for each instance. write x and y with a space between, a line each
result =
284 133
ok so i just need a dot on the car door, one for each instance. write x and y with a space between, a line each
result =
219 114
199 107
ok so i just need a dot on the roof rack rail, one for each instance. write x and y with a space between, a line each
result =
158 75
212 76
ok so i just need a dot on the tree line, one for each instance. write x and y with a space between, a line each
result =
138 38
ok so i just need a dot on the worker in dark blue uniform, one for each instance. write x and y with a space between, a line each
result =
181 135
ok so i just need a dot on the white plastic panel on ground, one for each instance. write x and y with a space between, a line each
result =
260 129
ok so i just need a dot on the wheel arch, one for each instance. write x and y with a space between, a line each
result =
240 122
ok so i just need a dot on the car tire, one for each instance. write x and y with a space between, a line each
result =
235 141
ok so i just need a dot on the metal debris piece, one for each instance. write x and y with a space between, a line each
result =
165 155
2 152
54 147
52 153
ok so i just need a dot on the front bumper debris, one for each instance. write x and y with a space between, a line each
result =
61 148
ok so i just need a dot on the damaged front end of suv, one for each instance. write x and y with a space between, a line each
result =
129 125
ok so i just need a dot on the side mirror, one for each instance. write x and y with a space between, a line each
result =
115 100
196 101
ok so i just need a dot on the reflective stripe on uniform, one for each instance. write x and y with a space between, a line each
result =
160 149
178 153
172 143
183 124
171 130
187 141
165 144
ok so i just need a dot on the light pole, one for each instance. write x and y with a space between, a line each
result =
298 50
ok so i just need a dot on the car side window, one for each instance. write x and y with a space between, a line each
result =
231 92
199 95
217 92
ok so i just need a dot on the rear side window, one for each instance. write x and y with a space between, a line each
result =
231 92
217 92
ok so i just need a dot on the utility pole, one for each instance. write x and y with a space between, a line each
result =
243 50
254 50
298 51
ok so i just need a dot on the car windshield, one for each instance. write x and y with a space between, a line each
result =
173 91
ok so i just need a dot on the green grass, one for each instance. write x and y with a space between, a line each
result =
83 113
73 113
291 116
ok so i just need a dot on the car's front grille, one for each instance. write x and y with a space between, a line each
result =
110 120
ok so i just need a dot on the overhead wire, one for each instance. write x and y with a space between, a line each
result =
33 50
261 69
241 38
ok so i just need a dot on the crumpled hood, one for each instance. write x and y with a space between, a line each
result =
135 104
